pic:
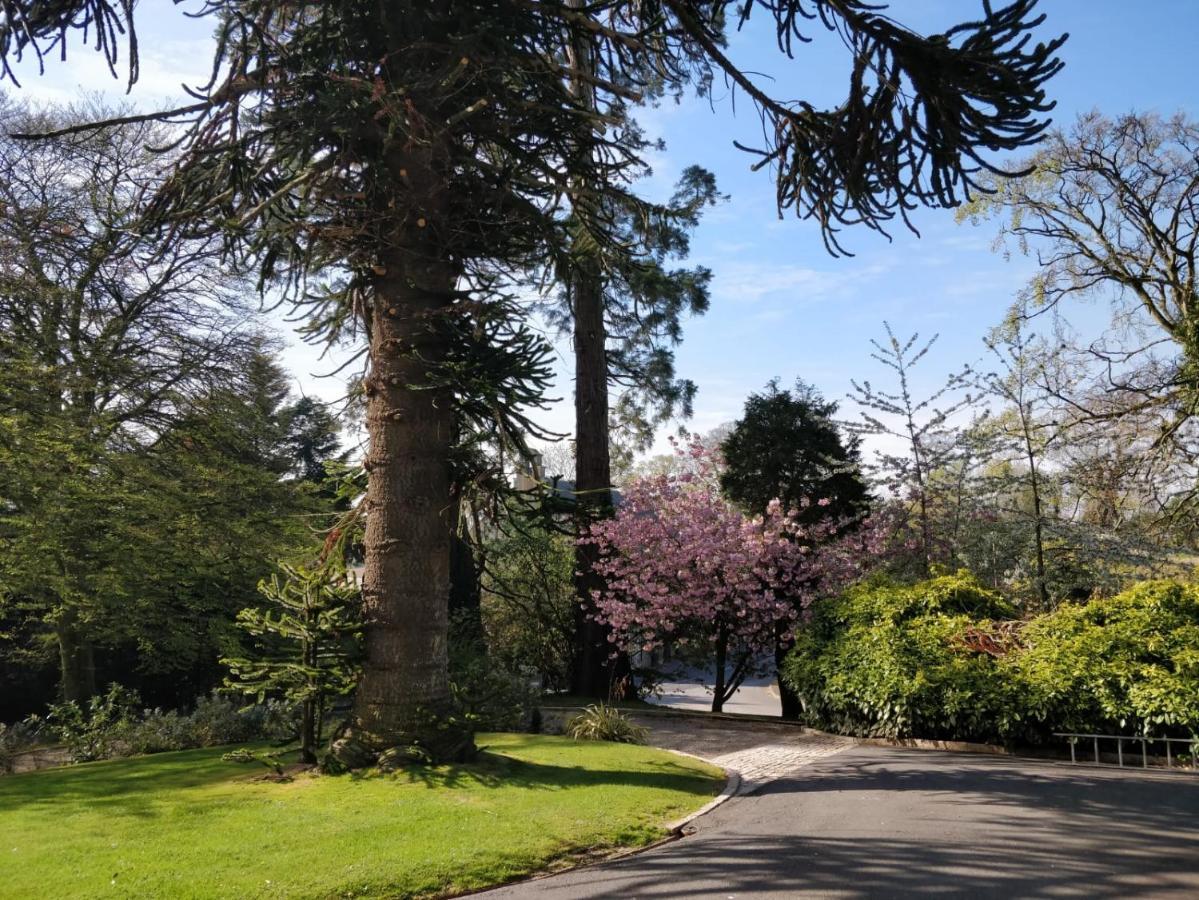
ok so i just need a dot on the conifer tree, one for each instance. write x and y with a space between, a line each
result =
394 168
309 632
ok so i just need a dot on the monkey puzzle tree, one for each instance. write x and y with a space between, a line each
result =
393 167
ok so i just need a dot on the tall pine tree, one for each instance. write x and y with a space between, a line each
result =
394 167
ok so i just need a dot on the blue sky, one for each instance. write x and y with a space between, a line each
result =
780 305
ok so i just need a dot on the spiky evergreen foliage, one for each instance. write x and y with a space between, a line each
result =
394 168
307 651
788 445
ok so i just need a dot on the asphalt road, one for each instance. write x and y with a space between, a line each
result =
879 822
757 697
691 689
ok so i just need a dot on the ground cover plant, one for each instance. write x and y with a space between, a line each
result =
189 824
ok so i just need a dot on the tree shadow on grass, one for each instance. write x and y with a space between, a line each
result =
129 786
497 770
139 786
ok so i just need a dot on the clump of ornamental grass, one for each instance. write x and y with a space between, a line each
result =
601 722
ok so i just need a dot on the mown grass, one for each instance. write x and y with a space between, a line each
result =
190 825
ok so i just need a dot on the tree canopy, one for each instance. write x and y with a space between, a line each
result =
397 170
787 446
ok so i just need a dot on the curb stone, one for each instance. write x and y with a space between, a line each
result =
676 830
732 787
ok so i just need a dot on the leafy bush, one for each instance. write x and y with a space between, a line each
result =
884 660
218 719
529 602
98 730
494 699
934 660
602 722
1123 663
113 725
157 732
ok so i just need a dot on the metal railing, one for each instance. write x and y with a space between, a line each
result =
1185 762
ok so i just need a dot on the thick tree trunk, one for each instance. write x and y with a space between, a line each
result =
403 697
595 673
77 661
593 670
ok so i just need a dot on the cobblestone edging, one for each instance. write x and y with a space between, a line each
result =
759 752
767 762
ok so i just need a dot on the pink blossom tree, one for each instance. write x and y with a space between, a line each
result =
683 565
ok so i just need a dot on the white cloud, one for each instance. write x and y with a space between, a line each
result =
751 282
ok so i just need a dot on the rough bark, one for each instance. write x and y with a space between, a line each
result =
593 670
404 697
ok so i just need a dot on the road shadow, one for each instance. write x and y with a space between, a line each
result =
873 823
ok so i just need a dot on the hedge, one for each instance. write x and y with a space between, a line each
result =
946 658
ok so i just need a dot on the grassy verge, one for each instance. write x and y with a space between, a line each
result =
190 825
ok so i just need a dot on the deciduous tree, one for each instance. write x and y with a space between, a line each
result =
394 167
683 565
1110 211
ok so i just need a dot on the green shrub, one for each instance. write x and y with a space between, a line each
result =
218 719
113 724
602 722
99 729
884 660
493 698
1123 663
907 661
158 732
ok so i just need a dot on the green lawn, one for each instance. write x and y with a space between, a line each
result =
190 825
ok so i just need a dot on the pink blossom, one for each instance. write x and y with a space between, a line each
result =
682 564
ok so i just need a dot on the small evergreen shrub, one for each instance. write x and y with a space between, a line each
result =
602 722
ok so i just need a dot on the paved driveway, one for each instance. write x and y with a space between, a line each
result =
880 822
691 690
